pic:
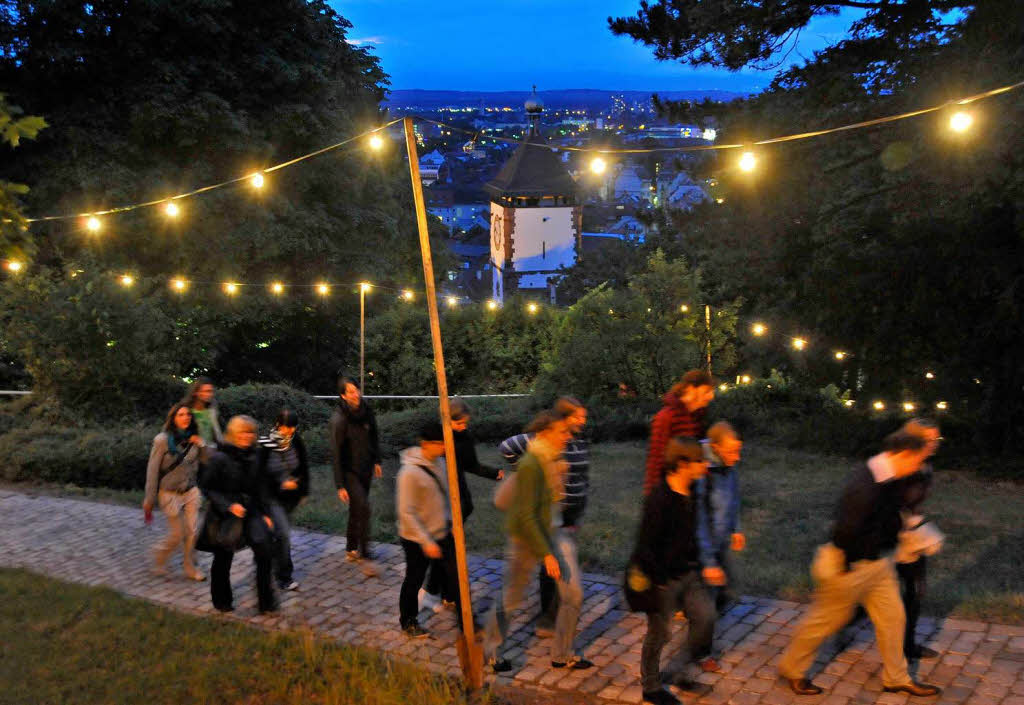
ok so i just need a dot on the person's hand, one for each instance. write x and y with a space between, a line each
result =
378 471
195 440
713 576
739 541
237 509
343 495
501 475
289 484
432 550
147 506
551 567
268 522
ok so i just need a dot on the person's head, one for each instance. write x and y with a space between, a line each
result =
927 430
695 390
684 462
241 431
179 419
348 390
905 451
460 414
574 413
200 393
431 439
551 429
286 422
725 442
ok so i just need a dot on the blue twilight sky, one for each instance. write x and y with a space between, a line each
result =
482 45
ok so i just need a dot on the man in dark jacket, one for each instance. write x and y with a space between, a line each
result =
683 415
667 556
237 514
355 451
857 568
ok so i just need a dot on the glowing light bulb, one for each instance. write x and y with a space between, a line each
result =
960 121
908 406
408 295
492 305
848 403
723 387
376 142
684 308
14 265
171 209
598 165
230 288
745 379
748 161
799 343
941 406
257 180
878 406
277 288
127 280
365 286
840 355
929 375
452 302
179 284
93 224
759 329
323 289
532 308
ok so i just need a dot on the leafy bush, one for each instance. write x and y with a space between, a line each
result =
264 401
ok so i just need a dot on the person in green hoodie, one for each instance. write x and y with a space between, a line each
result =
533 538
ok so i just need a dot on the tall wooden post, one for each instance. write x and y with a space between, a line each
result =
470 653
707 330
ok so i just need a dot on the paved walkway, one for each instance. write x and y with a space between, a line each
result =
105 544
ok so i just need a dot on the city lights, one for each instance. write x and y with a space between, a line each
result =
961 121
748 162
799 343
179 284
407 295
840 355
93 224
127 280
598 165
376 142
759 329
257 180
323 289
277 288
230 288
878 406
171 209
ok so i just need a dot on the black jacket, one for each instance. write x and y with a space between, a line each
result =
355 443
868 520
466 461
231 475
289 499
916 488
666 544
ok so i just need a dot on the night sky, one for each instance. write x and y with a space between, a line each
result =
480 45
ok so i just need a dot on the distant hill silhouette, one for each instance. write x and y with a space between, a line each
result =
555 99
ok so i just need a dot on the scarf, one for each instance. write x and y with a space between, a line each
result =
176 438
281 442
552 464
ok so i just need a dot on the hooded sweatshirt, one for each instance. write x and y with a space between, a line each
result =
421 500
673 420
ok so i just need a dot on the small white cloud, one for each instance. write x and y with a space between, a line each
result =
366 40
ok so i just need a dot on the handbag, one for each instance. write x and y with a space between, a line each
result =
218 530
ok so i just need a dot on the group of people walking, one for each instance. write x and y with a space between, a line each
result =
680 569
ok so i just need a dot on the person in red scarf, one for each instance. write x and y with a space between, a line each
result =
683 415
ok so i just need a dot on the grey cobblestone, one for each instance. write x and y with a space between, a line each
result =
103 544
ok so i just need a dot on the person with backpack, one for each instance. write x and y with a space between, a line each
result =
423 507
533 537
355 451
284 464
466 461
171 484
573 504
665 565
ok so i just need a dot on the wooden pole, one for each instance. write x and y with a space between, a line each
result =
470 653
707 328
362 337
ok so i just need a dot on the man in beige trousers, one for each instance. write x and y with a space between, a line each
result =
857 568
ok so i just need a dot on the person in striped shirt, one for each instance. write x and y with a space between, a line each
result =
682 415
574 503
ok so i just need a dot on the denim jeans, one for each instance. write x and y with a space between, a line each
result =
686 592
282 546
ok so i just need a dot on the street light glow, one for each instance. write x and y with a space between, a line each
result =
323 289
127 280
179 284
840 355
14 265
598 165
799 343
376 142
277 288
452 301
407 295
257 180
93 224
759 329
879 406
942 406
492 305
961 121
532 308
365 286
748 161
908 406
230 288
171 209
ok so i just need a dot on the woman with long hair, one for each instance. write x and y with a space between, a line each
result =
200 400
171 484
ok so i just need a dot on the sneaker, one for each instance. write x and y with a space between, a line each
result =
709 665
352 556
575 663
428 601
415 631
659 697
290 585
501 665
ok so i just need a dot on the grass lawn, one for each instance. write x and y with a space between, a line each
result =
62 643
788 502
